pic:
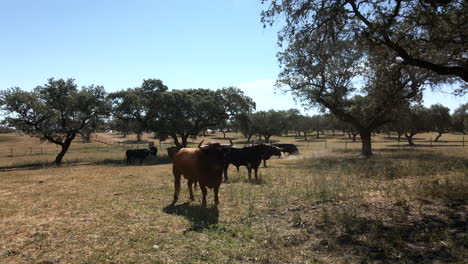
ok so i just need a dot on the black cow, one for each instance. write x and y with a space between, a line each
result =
250 156
140 154
291 149
269 152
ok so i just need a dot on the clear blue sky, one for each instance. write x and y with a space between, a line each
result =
118 43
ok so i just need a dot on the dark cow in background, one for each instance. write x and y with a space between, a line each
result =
291 149
140 154
269 152
203 165
249 156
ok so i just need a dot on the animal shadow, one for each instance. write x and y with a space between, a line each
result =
201 217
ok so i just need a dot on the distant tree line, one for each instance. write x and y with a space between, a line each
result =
407 122
59 111
364 61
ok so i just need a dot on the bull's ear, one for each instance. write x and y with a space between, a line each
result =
199 145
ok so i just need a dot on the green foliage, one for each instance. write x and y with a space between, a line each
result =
427 34
342 57
413 120
55 112
440 119
460 118
269 123
186 113
178 113
131 107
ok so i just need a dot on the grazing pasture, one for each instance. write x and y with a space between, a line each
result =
328 205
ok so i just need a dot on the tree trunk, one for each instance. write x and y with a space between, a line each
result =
305 135
333 132
224 134
354 137
318 134
65 146
267 138
139 136
176 141
410 138
248 138
184 140
438 136
366 143
349 134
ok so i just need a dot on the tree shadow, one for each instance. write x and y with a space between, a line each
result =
135 142
241 178
245 142
150 161
426 145
26 166
428 239
201 217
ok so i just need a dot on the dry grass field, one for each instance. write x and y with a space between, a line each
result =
328 205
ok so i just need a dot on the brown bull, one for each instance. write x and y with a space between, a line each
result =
203 165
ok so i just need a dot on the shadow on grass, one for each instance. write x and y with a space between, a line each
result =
201 217
426 145
136 142
68 163
26 166
434 237
395 164
245 142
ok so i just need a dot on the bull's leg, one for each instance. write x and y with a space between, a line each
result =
264 163
255 170
176 185
249 169
189 184
204 193
215 189
225 169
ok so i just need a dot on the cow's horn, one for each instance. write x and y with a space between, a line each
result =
199 145
230 141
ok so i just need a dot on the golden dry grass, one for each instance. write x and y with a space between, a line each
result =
407 205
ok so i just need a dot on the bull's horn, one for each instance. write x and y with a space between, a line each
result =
230 141
199 145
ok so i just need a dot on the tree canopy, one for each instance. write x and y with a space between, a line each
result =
56 112
428 34
334 59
